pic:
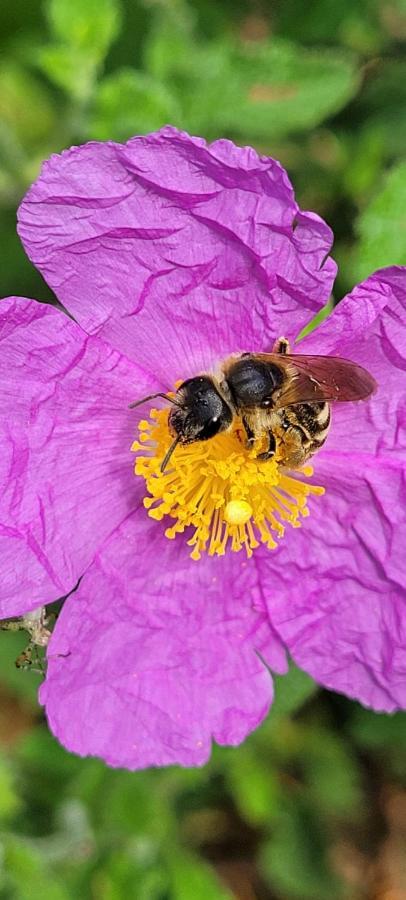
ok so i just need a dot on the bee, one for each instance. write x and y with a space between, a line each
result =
283 400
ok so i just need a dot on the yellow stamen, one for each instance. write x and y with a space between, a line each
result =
220 489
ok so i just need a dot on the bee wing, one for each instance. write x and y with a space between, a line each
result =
317 378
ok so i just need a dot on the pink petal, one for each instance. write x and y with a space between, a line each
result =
175 251
159 654
369 326
336 587
66 466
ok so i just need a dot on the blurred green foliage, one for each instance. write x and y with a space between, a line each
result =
320 85
382 225
282 804
303 809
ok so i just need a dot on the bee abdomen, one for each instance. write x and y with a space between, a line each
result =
312 417
321 427
312 422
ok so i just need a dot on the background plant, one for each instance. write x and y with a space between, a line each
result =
312 804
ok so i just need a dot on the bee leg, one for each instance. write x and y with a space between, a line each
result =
249 432
271 448
281 346
295 452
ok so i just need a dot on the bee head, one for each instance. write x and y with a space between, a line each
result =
200 412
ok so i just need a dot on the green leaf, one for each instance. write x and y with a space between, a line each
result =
25 106
366 150
121 876
83 32
9 802
168 48
18 278
86 25
253 783
280 88
384 736
129 103
382 226
380 105
268 90
133 803
28 874
291 692
295 859
331 772
192 878
69 68
326 21
50 781
377 731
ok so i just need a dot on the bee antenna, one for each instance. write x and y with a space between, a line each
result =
168 453
152 397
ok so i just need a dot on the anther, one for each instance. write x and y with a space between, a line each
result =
219 489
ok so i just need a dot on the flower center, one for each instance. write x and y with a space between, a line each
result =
219 488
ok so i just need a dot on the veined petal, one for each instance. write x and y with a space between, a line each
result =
66 466
336 588
154 656
369 326
175 251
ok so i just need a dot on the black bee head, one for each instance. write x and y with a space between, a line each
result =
201 412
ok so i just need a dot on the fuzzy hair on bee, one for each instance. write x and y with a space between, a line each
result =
283 399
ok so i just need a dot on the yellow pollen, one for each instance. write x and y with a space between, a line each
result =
237 512
219 490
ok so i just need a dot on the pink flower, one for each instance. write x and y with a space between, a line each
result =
171 254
